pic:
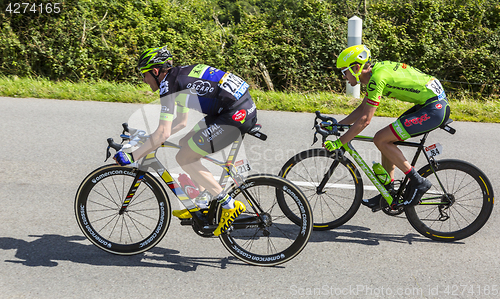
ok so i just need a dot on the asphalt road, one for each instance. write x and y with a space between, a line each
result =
49 146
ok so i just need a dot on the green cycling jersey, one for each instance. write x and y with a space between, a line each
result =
403 82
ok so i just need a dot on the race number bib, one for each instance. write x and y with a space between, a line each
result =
242 166
233 85
436 87
434 150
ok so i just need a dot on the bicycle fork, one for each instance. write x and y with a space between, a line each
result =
326 177
137 182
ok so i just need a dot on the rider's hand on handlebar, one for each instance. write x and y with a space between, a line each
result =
123 158
332 145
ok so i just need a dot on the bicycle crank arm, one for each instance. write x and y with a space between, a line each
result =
242 222
209 228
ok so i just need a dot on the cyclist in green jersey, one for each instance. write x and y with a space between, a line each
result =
229 112
405 83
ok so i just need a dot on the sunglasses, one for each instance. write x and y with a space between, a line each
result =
142 74
344 71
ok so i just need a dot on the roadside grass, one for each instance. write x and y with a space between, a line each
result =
326 102
64 90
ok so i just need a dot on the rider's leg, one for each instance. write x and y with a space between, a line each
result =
183 143
381 139
417 186
217 133
388 166
391 154
190 162
194 147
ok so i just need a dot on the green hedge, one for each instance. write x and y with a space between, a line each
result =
296 41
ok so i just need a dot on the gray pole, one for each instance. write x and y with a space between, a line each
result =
354 32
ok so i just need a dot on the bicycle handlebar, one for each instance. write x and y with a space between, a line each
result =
114 145
327 121
325 118
128 129
134 138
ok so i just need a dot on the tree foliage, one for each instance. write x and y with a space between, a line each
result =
295 41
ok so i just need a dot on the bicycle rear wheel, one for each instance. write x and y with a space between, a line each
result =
99 200
338 201
459 209
263 235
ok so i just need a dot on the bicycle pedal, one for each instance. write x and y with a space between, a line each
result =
187 221
376 209
210 228
396 206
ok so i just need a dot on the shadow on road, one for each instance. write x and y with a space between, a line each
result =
47 250
362 235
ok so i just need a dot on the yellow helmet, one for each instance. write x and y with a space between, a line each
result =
355 54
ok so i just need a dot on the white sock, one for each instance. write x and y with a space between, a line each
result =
226 201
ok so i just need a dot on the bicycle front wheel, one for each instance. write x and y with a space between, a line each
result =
333 187
458 204
99 200
263 235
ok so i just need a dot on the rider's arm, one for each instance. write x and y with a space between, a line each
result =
362 117
351 118
180 122
155 140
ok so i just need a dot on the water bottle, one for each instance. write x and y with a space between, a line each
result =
381 173
188 186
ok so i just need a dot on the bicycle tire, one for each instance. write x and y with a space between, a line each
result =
342 195
473 202
276 241
99 199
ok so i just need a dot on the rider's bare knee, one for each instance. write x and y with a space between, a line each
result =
186 156
378 140
180 157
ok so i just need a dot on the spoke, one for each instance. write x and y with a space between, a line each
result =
110 198
120 196
455 220
113 229
271 246
135 226
136 222
102 218
249 243
137 196
128 230
134 202
107 223
288 236
141 214
104 206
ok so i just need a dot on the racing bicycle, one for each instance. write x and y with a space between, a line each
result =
457 206
125 210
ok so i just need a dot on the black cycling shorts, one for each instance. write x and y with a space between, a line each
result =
215 133
421 119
